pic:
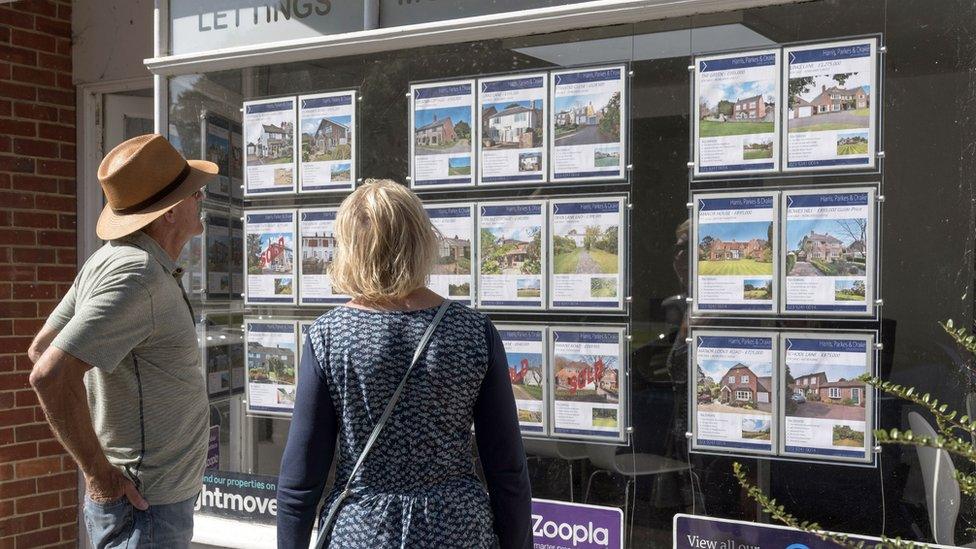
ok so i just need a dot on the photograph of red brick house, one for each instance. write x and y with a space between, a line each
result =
741 385
750 108
830 392
437 132
733 387
721 250
829 102
846 392
807 385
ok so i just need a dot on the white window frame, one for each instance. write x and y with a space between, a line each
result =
744 378
856 396
833 392
739 395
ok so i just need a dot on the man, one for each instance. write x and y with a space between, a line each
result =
116 366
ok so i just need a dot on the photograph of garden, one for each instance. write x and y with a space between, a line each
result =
734 249
586 378
586 250
849 290
829 102
511 251
757 288
605 417
757 149
756 429
739 108
844 435
827 247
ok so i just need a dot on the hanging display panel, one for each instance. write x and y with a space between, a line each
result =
734 253
828 251
441 134
272 366
236 164
589 382
826 411
737 126
317 251
270 166
512 255
512 128
831 105
453 274
216 144
734 391
191 261
525 351
218 254
269 237
236 256
328 142
587 253
588 124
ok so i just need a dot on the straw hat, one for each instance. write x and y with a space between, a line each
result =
142 179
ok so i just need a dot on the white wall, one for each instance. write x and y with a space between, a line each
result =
111 39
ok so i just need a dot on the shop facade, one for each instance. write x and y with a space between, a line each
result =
696 224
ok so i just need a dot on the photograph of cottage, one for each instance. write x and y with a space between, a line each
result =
852 143
326 138
270 253
590 249
270 143
829 102
827 392
827 247
512 125
318 251
453 256
731 387
442 130
732 249
511 251
586 378
271 364
739 108
525 373
587 119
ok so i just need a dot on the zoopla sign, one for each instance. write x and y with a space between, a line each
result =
563 525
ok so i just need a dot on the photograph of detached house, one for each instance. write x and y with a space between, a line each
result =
511 251
731 387
739 108
829 102
318 251
827 247
326 138
832 392
525 373
587 119
732 249
270 143
271 364
453 256
442 130
586 378
512 125
271 254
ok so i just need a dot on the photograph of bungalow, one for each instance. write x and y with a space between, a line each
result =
829 392
271 364
734 249
318 251
730 386
586 378
442 130
511 251
512 125
587 119
453 256
326 138
829 102
270 143
739 108
826 247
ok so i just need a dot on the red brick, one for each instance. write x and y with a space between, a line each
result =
26 398
17 488
69 151
50 448
68 497
5 143
67 515
37 112
35 183
53 27
45 308
66 116
17 91
28 326
5 217
64 12
6 436
33 40
5 34
57 238
16 18
15 199
19 525
33 147
35 291
6 472
58 97
33 433
40 538
39 467
23 362
5 107
56 274
54 61
16 164
17 452
55 203
67 256
59 133
61 481
67 221
34 219
6 329
22 56
40 7
35 504
14 381
17 272
18 127
16 236
64 168
65 82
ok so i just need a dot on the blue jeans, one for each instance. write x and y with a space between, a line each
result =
117 525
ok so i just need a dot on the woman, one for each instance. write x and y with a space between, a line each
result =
417 487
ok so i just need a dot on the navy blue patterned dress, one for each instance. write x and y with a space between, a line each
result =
418 487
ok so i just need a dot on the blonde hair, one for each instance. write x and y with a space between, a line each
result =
385 243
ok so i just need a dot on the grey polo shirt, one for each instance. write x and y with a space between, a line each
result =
127 316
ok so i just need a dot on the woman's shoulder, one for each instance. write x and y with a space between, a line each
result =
468 319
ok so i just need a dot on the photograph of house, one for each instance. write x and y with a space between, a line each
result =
830 392
731 386
442 130
318 251
587 119
270 143
826 247
453 256
270 253
606 156
530 162
326 138
271 364
586 250
512 125
511 250
586 378
525 373
829 102
739 108
735 249
528 287
852 143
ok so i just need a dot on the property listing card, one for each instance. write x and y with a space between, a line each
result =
328 157
217 149
512 255
831 105
272 366
827 410
303 326
236 164
588 379
236 257
453 275
269 140
217 229
734 391
737 127
441 140
588 124
316 229
219 338
587 253
191 260
829 252
269 252
525 350
512 129
734 253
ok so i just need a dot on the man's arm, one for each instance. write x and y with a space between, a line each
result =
41 342
58 380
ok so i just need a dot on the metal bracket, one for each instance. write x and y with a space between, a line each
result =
630 73
629 430
881 154
691 165
630 167
689 299
880 198
879 346
629 299
691 68
689 205
878 302
882 49
688 435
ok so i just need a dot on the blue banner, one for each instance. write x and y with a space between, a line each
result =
586 337
735 203
817 55
442 91
735 342
335 101
736 167
827 345
449 213
520 335
513 84
269 107
318 216
270 328
576 175
739 62
283 217
826 200
511 209
600 75
602 206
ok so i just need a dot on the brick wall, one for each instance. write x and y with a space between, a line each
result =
38 480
